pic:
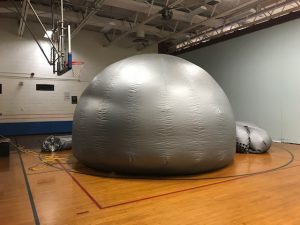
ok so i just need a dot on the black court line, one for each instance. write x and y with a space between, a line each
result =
34 211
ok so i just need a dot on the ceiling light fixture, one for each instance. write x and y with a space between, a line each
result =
48 34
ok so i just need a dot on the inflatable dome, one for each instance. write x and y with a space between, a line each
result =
154 114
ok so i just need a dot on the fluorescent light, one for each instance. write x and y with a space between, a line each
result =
49 32
112 23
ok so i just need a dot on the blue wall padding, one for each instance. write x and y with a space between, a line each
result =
69 60
26 128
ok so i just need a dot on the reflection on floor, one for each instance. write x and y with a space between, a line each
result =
254 189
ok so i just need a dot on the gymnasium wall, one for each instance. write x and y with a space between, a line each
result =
23 109
260 73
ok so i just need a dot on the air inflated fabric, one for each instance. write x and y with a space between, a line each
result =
154 114
242 139
256 139
57 143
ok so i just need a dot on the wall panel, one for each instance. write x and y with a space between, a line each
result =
260 73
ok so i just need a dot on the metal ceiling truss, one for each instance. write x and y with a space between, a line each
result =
209 20
102 23
97 4
150 9
190 25
24 13
261 15
147 20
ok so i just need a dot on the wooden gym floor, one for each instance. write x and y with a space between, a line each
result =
56 189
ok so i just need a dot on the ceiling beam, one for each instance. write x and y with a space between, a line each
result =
23 18
144 8
134 28
141 24
97 3
95 21
261 15
223 14
271 16
219 16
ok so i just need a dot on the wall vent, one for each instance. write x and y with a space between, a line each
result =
45 87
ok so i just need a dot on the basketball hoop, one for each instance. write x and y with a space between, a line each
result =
77 67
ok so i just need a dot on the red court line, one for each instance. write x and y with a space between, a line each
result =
170 193
188 189
81 187
137 200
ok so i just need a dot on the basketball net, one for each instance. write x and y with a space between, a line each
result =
77 67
